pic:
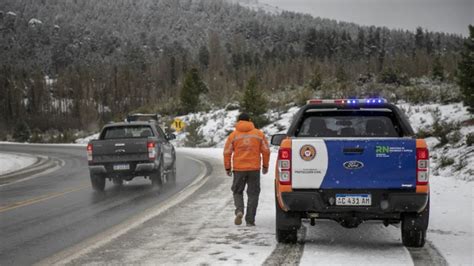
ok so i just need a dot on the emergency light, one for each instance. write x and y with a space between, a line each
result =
348 101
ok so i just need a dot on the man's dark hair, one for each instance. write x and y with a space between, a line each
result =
244 117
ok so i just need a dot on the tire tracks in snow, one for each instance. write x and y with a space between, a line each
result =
291 254
288 254
427 255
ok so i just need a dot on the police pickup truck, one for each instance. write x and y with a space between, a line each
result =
129 149
352 160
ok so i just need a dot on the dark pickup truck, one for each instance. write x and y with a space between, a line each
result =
352 160
130 149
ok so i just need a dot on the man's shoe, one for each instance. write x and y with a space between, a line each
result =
238 218
250 224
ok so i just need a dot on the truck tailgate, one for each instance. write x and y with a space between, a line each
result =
120 150
354 163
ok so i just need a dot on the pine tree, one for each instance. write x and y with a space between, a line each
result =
194 137
466 70
316 80
437 73
192 89
21 132
254 103
204 56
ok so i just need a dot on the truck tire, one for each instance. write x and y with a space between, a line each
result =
157 177
98 182
171 176
287 225
414 226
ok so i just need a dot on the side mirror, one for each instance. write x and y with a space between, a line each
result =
170 136
277 139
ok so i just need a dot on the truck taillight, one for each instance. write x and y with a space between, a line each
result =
422 166
151 150
284 166
89 152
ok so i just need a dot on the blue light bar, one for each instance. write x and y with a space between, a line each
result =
348 101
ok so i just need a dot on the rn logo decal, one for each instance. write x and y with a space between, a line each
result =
353 165
307 152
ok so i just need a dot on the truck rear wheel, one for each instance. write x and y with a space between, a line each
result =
157 177
287 225
98 182
171 176
414 226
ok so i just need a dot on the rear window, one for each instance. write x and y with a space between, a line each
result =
121 132
349 124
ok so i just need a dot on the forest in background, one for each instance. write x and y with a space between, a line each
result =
75 64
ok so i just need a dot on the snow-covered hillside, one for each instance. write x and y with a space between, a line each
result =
454 158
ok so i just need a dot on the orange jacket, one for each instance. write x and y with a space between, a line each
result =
248 146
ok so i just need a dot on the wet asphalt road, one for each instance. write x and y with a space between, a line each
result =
44 215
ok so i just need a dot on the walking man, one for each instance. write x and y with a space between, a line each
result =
244 151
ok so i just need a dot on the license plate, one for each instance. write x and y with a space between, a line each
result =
353 200
121 167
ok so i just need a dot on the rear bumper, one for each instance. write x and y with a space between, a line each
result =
385 203
137 168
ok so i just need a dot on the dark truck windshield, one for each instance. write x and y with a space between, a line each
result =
120 132
349 123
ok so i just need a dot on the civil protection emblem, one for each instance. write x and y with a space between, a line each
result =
307 152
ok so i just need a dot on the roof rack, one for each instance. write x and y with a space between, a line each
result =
142 117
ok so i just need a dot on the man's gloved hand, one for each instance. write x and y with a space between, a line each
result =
265 171
229 172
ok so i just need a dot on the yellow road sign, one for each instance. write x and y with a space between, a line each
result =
178 125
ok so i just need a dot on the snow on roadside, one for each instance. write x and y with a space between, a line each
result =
453 159
451 219
87 139
10 162
238 244
420 116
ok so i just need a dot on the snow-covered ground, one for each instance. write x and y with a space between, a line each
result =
87 139
452 219
201 231
10 162
450 231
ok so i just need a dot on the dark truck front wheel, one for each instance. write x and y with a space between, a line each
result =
287 225
414 226
98 182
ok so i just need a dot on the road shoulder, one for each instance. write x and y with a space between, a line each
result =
198 230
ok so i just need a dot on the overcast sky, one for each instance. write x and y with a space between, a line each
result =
451 16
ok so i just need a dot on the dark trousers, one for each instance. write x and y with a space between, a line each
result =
252 180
